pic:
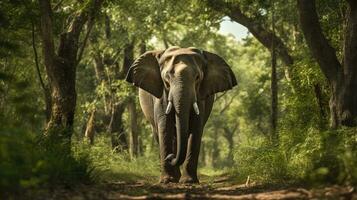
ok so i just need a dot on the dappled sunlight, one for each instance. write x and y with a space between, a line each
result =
178 99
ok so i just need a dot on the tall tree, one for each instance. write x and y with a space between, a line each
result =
134 129
341 75
61 65
273 84
131 106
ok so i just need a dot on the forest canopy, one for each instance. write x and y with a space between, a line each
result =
68 116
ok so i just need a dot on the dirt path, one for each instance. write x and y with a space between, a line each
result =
218 188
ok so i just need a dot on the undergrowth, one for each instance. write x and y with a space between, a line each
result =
111 165
328 157
27 164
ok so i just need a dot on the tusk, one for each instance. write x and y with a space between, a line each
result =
195 107
168 109
170 157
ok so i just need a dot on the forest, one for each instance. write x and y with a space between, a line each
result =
76 76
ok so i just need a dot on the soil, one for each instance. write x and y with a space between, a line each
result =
221 187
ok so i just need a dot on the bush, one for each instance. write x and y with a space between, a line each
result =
264 162
25 164
322 157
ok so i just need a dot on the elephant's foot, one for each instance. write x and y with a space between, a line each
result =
168 179
171 176
189 179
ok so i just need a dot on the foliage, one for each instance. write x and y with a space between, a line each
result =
25 164
307 151
320 158
111 166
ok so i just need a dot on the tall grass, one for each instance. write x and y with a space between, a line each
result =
316 157
114 166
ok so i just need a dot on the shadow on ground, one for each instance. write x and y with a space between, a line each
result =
220 187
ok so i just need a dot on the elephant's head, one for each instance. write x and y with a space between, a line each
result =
187 75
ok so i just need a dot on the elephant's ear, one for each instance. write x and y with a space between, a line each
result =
218 76
145 73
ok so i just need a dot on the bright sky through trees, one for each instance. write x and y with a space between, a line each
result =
231 27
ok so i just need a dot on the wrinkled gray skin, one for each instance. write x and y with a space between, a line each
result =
183 77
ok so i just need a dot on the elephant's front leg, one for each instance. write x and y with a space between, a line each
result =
166 129
194 142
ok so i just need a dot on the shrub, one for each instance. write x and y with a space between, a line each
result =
26 164
321 157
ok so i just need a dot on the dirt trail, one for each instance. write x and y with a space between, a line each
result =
218 188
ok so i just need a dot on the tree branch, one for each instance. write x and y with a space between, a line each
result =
81 50
58 5
36 58
46 32
264 36
228 104
91 18
322 51
220 96
73 33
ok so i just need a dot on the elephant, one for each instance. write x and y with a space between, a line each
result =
176 95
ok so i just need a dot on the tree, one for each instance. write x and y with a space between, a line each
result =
262 34
61 65
267 38
109 77
341 75
134 129
273 85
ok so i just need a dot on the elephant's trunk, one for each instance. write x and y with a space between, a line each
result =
182 102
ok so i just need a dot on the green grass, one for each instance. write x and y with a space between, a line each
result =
327 157
113 166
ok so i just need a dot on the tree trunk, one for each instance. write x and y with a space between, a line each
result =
342 78
230 150
203 153
90 128
61 73
140 144
274 100
102 79
116 128
61 70
134 141
348 97
228 134
128 60
321 105
215 150
142 47
128 57
114 107
274 88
